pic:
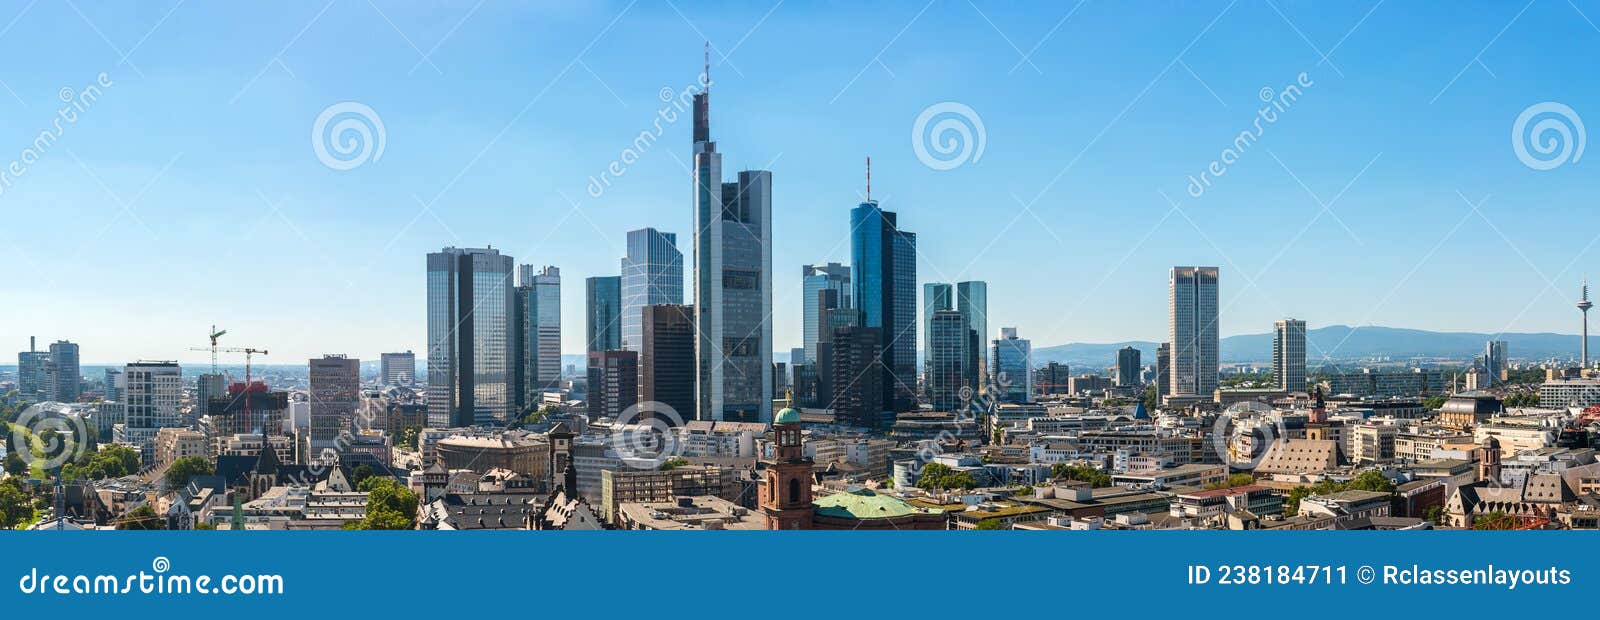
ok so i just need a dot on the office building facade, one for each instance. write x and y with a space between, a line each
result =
652 274
613 383
883 272
602 313
948 374
813 280
537 362
470 337
1128 367
733 284
335 388
666 359
397 368
1193 330
1289 355
1011 359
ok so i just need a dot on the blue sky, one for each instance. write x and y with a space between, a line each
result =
496 115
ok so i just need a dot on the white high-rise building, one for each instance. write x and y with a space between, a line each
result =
1193 330
1289 355
151 397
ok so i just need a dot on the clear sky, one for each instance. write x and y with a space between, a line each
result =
190 193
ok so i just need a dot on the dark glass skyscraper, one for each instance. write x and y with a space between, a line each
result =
883 271
470 344
602 311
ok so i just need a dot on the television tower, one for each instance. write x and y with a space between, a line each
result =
1584 305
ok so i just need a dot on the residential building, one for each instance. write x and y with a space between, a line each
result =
151 401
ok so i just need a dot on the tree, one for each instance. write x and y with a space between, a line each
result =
989 524
110 462
389 505
940 476
16 504
1496 520
185 469
1152 398
1081 473
1435 514
15 465
673 463
361 473
142 518
1435 402
1370 480
1235 480
408 437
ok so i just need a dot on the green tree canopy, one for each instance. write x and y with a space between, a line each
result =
940 476
16 504
142 518
185 469
1081 473
390 506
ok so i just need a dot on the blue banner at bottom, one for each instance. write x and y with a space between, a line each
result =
796 574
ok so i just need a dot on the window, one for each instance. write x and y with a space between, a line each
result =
794 490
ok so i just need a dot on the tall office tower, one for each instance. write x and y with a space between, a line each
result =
602 313
666 359
206 387
151 398
1128 367
537 363
1494 360
113 391
397 368
1193 330
813 280
31 372
949 352
1289 355
652 274
613 383
832 316
972 301
883 272
335 387
63 377
470 345
733 284
1164 369
858 377
1054 378
936 297
1012 362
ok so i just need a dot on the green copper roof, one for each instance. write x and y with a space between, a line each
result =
787 416
863 504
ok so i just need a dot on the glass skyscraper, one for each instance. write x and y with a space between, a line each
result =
814 279
1013 366
537 365
733 284
470 345
1193 330
652 274
602 308
949 355
883 272
972 301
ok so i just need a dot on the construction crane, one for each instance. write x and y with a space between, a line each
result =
248 353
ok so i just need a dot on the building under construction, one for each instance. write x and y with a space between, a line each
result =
247 408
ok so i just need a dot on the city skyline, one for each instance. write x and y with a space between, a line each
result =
1432 186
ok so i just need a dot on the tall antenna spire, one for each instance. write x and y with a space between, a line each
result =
869 178
707 75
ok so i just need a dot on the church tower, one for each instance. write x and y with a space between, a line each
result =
786 488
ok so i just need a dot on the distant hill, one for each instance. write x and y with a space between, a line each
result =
1339 342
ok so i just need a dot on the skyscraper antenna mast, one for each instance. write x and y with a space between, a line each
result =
869 178
707 75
